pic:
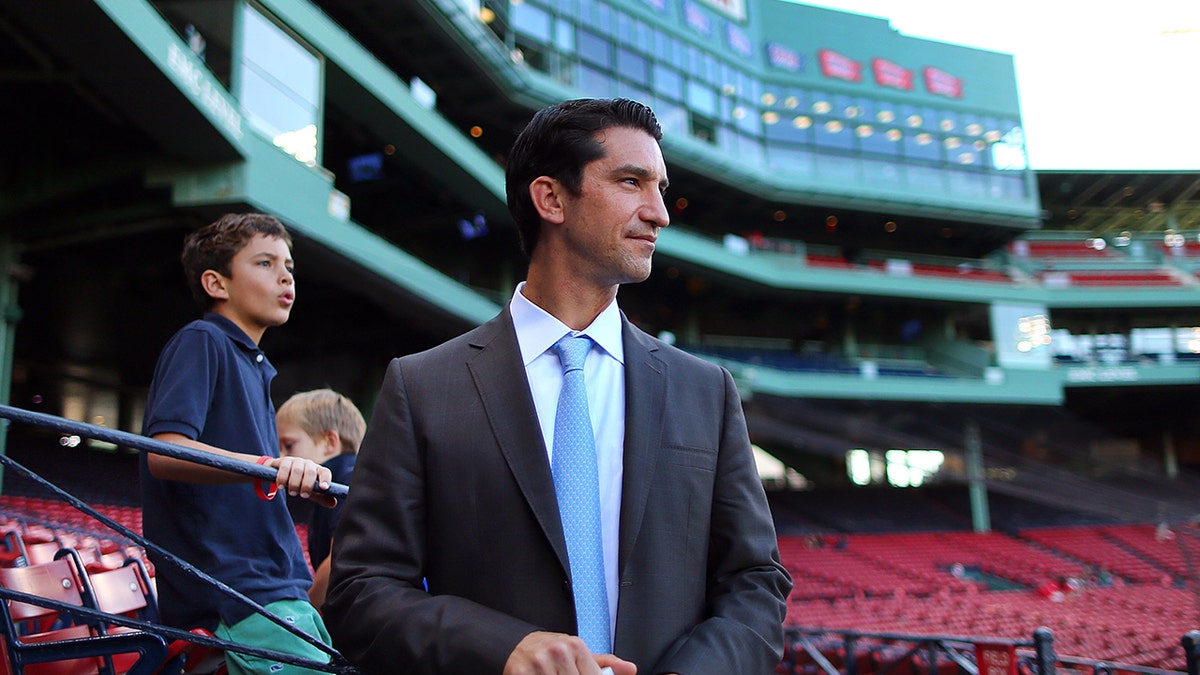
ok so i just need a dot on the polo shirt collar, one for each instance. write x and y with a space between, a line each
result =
231 329
538 330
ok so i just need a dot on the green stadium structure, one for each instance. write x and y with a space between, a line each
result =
856 233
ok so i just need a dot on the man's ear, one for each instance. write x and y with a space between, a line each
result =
547 195
214 284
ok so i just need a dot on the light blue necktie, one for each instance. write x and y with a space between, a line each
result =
577 485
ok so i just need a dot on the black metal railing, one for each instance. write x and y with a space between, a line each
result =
818 651
71 648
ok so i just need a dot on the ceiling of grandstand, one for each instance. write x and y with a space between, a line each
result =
1044 454
413 41
1108 203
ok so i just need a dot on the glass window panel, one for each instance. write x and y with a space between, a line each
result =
748 118
949 123
876 139
595 49
275 114
749 149
822 103
664 46
969 153
790 159
922 145
748 86
633 67
847 108
643 36
968 184
787 128
671 117
564 36
668 82
594 83
881 173
728 77
794 101
917 117
633 93
275 55
836 167
925 179
531 21
603 17
624 28
703 128
1008 153
973 126
695 62
1011 187
701 99
709 65
833 133
726 140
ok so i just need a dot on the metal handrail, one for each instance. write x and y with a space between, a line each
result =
144 444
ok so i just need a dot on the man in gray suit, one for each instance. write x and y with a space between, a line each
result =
455 487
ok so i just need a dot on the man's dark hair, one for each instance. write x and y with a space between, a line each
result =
558 142
213 246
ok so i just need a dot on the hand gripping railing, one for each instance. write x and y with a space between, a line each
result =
337 663
144 444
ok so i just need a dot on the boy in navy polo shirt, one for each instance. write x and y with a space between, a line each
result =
211 391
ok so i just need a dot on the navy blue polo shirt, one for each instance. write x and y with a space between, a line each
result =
325 521
212 384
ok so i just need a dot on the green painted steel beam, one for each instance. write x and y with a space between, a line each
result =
791 272
384 103
304 198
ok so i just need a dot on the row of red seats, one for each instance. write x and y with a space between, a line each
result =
62 513
919 269
1090 545
1158 544
1118 278
1133 624
1081 248
44 640
919 563
970 272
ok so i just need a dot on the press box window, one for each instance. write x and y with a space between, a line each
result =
279 84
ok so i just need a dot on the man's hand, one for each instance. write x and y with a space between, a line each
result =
545 653
299 476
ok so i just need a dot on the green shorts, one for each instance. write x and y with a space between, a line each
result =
258 631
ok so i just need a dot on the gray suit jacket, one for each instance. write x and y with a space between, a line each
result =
453 487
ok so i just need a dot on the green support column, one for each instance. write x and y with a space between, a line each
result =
977 485
10 313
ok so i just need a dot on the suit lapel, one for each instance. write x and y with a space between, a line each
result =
645 409
503 387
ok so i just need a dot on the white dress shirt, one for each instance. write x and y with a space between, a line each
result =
604 374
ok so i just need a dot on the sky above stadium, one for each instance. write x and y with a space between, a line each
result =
1103 86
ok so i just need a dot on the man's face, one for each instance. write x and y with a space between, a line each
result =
609 229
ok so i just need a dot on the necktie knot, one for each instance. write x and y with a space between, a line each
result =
572 350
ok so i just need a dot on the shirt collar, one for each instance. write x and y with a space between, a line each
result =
231 329
538 330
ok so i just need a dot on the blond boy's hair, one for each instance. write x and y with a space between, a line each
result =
321 410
